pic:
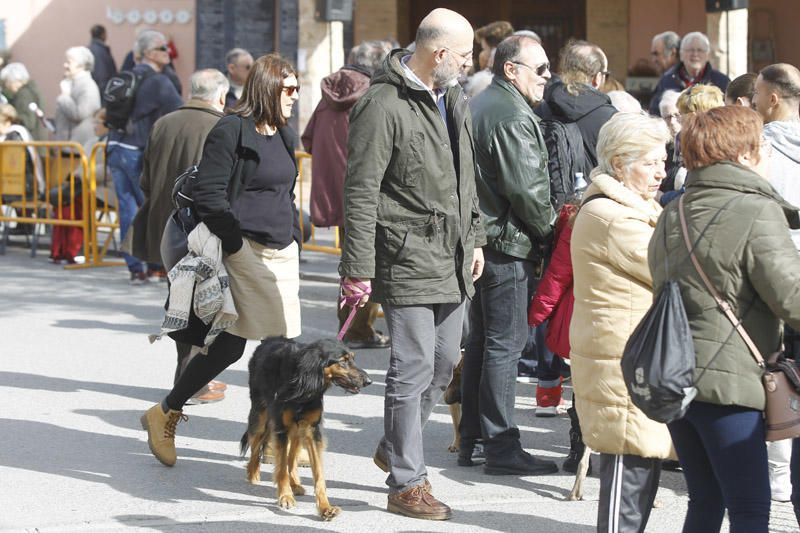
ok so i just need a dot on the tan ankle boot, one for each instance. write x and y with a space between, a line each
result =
160 427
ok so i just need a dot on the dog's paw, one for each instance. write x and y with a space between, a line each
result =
330 513
254 478
452 448
298 490
286 501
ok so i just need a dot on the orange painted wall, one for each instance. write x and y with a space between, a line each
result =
648 17
785 16
39 31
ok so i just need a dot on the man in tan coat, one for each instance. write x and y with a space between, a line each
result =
176 143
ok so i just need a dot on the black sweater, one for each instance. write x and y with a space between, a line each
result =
230 159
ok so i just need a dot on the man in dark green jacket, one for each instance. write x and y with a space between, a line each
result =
413 228
514 191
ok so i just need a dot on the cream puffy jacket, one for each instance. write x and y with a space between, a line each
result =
612 292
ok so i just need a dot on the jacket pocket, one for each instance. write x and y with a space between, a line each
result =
414 160
412 250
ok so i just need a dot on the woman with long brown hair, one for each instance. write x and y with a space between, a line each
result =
244 194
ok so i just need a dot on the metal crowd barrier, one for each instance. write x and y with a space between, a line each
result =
39 186
103 206
303 169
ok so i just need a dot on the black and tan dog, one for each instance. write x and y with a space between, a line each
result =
287 382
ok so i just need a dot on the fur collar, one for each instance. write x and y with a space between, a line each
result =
615 190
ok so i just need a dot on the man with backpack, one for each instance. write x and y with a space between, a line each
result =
175 144
514 192
135 100
573 111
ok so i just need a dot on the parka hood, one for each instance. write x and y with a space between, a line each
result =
342 88
573 107
785 137
391 71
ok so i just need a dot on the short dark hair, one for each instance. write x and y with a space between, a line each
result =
785 78
261 94
579 61
494 32
98 31
719 134
742 87
508 51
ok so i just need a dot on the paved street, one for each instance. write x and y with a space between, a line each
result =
77 371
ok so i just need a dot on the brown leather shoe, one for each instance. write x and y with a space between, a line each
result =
206 395
217 386
416 502
380 459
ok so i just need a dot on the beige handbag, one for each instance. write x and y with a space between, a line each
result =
781 376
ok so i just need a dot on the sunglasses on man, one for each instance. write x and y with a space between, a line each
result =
539 70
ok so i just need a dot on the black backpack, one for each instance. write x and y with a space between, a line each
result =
120 97
566 158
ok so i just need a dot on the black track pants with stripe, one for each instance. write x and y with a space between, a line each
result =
628 486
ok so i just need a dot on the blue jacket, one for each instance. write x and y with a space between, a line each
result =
155 98
671 81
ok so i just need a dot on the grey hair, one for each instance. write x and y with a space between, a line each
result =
669 97
529 33
626 137
429 35
234 54
82 55
369 55
144 42
696 36
671 40
15 72
208 84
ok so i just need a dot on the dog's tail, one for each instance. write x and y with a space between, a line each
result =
243 445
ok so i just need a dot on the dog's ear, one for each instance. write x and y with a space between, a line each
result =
308 380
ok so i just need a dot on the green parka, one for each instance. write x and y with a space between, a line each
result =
411 212
512 179
749 256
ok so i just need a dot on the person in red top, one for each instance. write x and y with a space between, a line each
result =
553 301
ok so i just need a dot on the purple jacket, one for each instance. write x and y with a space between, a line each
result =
325 138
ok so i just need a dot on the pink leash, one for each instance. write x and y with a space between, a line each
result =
357 291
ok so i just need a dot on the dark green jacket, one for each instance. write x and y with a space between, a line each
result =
411 212
749 256
511 172
21 100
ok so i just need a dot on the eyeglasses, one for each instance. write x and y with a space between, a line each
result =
695 51
605 73
466 56
291 90
538 69
162 48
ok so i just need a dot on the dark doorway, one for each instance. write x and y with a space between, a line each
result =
554 20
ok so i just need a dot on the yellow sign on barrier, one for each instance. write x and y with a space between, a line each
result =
302 159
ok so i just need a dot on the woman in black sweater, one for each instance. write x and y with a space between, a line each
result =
245 196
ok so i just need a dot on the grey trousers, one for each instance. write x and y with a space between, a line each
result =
628 486
425 348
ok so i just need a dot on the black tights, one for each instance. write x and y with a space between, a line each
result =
222 353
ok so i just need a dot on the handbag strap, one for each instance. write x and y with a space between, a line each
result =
721 303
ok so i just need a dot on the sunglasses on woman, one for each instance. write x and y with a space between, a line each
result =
290 90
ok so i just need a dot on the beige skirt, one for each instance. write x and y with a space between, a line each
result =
265 284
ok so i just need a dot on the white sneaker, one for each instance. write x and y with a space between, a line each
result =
547 412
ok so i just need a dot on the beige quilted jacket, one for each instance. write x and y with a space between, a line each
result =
612 292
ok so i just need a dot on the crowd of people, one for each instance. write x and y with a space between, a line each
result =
515 213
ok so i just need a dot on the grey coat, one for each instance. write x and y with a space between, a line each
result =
74 111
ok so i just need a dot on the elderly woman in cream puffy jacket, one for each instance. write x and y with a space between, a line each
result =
79 98
613 290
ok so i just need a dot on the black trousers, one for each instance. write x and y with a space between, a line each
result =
222 353
628 486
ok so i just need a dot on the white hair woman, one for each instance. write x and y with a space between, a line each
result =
612 288
21 93
79 98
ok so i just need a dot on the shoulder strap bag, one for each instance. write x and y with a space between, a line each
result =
781 378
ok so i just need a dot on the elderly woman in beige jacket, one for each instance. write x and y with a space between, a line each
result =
613 290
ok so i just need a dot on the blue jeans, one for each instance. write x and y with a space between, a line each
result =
724 458
126 168
499 331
